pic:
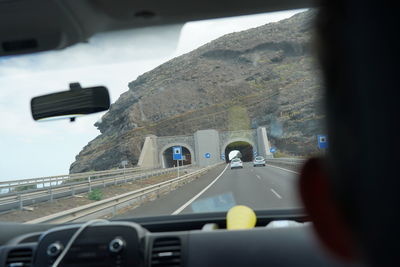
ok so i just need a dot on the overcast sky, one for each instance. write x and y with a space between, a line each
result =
30 149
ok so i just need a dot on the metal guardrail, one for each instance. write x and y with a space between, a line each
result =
70 187
48 181
290 163
287 160
111 205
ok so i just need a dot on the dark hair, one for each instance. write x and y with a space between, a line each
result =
331 53
359 56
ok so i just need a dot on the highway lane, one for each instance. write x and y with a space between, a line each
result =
167 204
257 187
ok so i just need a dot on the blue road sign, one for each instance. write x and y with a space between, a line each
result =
272 150
207 155
223 156
255 153
177 153
322 141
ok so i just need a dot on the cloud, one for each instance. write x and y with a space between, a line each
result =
102 49
198 33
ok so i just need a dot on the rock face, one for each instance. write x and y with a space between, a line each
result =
264 76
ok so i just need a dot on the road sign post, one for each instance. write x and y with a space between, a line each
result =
177 163
177 155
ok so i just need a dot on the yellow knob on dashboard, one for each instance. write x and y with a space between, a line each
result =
240 217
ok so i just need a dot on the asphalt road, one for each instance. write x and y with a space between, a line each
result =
260 188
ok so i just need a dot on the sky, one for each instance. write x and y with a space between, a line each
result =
30 149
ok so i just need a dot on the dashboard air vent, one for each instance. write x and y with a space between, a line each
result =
166 252
19 257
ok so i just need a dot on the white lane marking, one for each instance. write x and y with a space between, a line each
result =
199 194
276 194
258 176
282 169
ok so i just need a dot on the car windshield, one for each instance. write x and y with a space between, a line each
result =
186 102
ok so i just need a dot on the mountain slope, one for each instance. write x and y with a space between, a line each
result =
265 76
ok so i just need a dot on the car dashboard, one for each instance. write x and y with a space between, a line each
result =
182 240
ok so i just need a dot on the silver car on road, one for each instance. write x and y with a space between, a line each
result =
259 161
236 163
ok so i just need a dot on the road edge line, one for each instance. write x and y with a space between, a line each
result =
198 194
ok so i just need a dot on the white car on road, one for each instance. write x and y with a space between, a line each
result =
259 161
236 163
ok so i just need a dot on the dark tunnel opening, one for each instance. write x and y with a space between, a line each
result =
245 149
168 158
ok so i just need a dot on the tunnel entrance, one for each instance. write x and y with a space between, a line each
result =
245 148
169 162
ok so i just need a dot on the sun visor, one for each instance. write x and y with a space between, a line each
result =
34 26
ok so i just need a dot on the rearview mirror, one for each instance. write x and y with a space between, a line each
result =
74 102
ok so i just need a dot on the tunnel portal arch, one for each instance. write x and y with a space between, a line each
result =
166 155
244 145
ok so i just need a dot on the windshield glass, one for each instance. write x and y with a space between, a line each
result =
183 107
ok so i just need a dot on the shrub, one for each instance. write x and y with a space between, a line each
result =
279 154
25 187
96 195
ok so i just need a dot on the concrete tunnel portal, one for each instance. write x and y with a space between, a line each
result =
245 148
168 159
204 147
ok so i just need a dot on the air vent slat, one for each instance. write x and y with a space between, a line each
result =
24 259
21 257
168 242
167 248
165 261
166 252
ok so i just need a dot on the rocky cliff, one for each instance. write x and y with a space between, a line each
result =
264 76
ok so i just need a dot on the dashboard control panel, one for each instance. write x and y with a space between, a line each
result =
105 244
